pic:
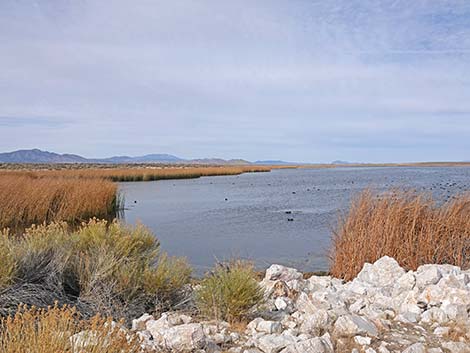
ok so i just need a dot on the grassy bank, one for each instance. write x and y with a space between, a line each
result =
147 173
410 227
27 199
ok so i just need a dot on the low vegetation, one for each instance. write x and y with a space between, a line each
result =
230 292
27 199
76 194
142 173
413 228
101 267
36 330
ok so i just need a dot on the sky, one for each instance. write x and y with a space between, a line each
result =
297 80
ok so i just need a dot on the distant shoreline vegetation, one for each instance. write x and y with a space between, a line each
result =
74 195
74 192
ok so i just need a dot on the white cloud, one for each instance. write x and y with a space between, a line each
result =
252 79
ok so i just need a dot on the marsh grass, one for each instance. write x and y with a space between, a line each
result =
151 173
101 267
77 194
48 330
408 226
27 199
230 292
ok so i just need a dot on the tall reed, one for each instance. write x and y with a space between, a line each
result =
410 227
148 173
27 199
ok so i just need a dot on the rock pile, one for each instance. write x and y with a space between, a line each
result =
383 310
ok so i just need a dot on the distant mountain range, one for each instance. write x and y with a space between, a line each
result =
45 157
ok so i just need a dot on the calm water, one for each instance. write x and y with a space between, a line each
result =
217 218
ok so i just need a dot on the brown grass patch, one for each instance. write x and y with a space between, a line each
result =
149 173
27 199
410 227
49 331
78 193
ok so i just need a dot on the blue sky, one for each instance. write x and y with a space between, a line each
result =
357 80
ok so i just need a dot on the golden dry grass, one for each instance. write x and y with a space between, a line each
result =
51 331
149 173
410 227
27 199
77 194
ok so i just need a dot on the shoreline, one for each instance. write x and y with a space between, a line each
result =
383 309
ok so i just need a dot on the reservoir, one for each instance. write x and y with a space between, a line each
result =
286 216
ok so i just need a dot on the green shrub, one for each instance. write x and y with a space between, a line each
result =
102 267
230 292
167 279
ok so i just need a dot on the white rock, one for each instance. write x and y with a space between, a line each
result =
427 275
251 327
415 348
319 282
235 350
313 345
383 348
434 315
180 338
351 325
314 322
435 350
455 312
456 347
363 341
441 331
384 272
370 350
304 304
274 343
140 323
406 282
282 303
282 273
269 326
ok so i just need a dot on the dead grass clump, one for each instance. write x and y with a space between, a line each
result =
408 226
26 199
230 292
49 330
7 261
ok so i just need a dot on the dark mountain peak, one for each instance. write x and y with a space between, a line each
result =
36 155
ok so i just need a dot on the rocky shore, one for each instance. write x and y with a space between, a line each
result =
384 309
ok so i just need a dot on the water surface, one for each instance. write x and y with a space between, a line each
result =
217 218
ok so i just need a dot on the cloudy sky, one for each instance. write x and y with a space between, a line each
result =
300 80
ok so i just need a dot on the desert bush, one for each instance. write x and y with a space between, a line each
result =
49 330
170 276
410 227
100 267
7 261
230 292
27 199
